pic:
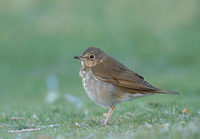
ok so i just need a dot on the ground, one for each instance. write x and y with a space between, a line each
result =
150 117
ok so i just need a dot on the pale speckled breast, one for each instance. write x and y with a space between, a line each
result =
104 93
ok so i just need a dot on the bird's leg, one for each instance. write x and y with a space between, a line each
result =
109 115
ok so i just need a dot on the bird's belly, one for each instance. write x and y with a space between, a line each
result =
102 93
129 96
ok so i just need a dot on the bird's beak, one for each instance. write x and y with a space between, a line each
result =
78 57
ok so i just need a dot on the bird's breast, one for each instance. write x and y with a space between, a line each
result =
100 92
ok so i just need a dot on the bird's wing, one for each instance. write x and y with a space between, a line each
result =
114 72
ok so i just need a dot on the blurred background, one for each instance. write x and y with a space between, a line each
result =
38 39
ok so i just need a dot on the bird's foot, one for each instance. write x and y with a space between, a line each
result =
104 123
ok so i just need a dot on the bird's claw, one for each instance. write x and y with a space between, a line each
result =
103 123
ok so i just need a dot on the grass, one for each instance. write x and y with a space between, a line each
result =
141 118
38 40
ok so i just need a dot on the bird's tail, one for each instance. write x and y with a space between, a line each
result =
167 92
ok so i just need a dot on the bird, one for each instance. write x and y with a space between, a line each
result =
108 82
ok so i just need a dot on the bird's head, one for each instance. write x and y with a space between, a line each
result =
91 57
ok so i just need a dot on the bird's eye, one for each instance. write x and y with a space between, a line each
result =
91 56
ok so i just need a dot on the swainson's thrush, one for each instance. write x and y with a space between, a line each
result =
108 82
